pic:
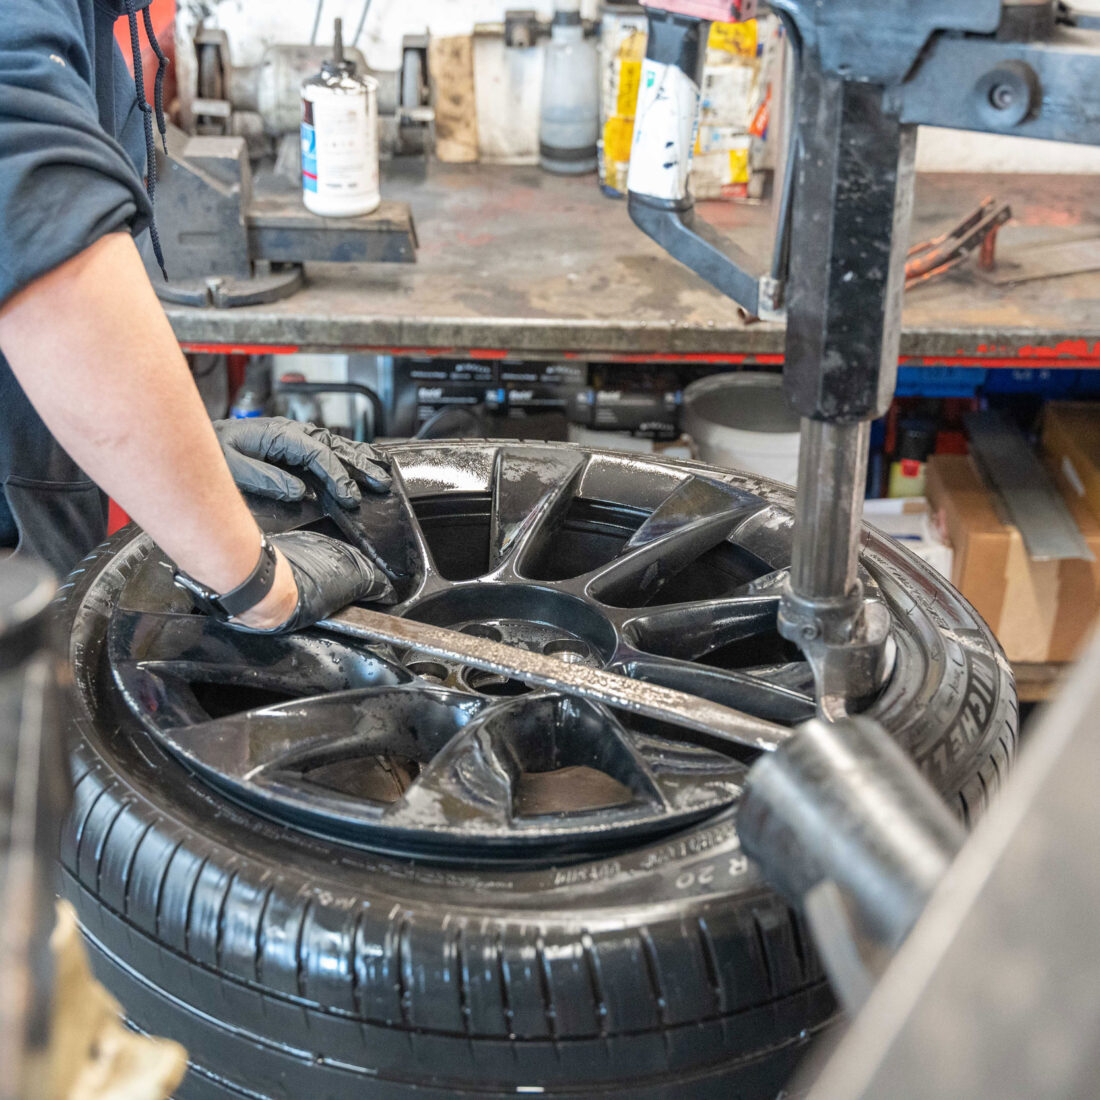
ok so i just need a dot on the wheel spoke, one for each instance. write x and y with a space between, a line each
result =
768 584
591 735
260 744
767 535
796 675
689 776
385 527
472 779
690 630
737 689
693 519
694 499
195 649
532 490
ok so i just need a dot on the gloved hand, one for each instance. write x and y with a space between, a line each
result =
252 446
330 574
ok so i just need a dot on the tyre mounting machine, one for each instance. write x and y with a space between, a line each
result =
867 73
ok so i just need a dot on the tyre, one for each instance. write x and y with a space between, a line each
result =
333 870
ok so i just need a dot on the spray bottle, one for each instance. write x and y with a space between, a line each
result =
569 120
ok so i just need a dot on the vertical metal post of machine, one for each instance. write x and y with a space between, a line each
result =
868 72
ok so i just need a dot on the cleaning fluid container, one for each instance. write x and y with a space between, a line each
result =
340 138
569 117
621 53
743 421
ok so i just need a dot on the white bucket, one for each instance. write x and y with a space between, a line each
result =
743 421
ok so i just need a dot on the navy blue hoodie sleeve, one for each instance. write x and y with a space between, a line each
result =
64 182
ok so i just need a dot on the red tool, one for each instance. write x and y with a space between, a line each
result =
977 231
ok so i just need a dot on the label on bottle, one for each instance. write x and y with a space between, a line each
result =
309 149
664 132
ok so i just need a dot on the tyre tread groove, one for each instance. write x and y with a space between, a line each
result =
353 962
595 978
219 927
404 996
710 965
505 994
189 915
463 982
104 843
260 945
797 943
542 966
965 810
163 877
299 953
653 974
128 873
82 828
765 954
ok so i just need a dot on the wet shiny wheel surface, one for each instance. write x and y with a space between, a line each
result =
665 572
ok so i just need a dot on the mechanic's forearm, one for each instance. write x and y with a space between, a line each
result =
92 349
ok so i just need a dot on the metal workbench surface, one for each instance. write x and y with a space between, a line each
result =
514 261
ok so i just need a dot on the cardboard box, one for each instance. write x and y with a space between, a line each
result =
1071 440
1039 610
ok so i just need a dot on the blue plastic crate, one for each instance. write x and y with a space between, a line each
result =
941 381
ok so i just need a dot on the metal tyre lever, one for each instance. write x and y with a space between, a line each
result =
723 724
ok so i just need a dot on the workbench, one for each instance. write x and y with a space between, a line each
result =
516 263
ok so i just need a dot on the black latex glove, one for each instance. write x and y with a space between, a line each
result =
253 445
330 574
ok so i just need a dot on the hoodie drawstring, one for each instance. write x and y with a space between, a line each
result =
147 119
158 83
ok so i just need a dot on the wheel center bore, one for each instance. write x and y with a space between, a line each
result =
529 617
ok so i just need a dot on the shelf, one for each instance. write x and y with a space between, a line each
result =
515 263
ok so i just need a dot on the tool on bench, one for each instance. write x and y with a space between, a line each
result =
234 242
929 260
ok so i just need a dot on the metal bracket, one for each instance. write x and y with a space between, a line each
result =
659 200
723 264
847 643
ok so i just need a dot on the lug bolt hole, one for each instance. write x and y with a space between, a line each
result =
429 670
569 650
483 630
492 683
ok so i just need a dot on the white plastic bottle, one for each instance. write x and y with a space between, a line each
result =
340 139
570 116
